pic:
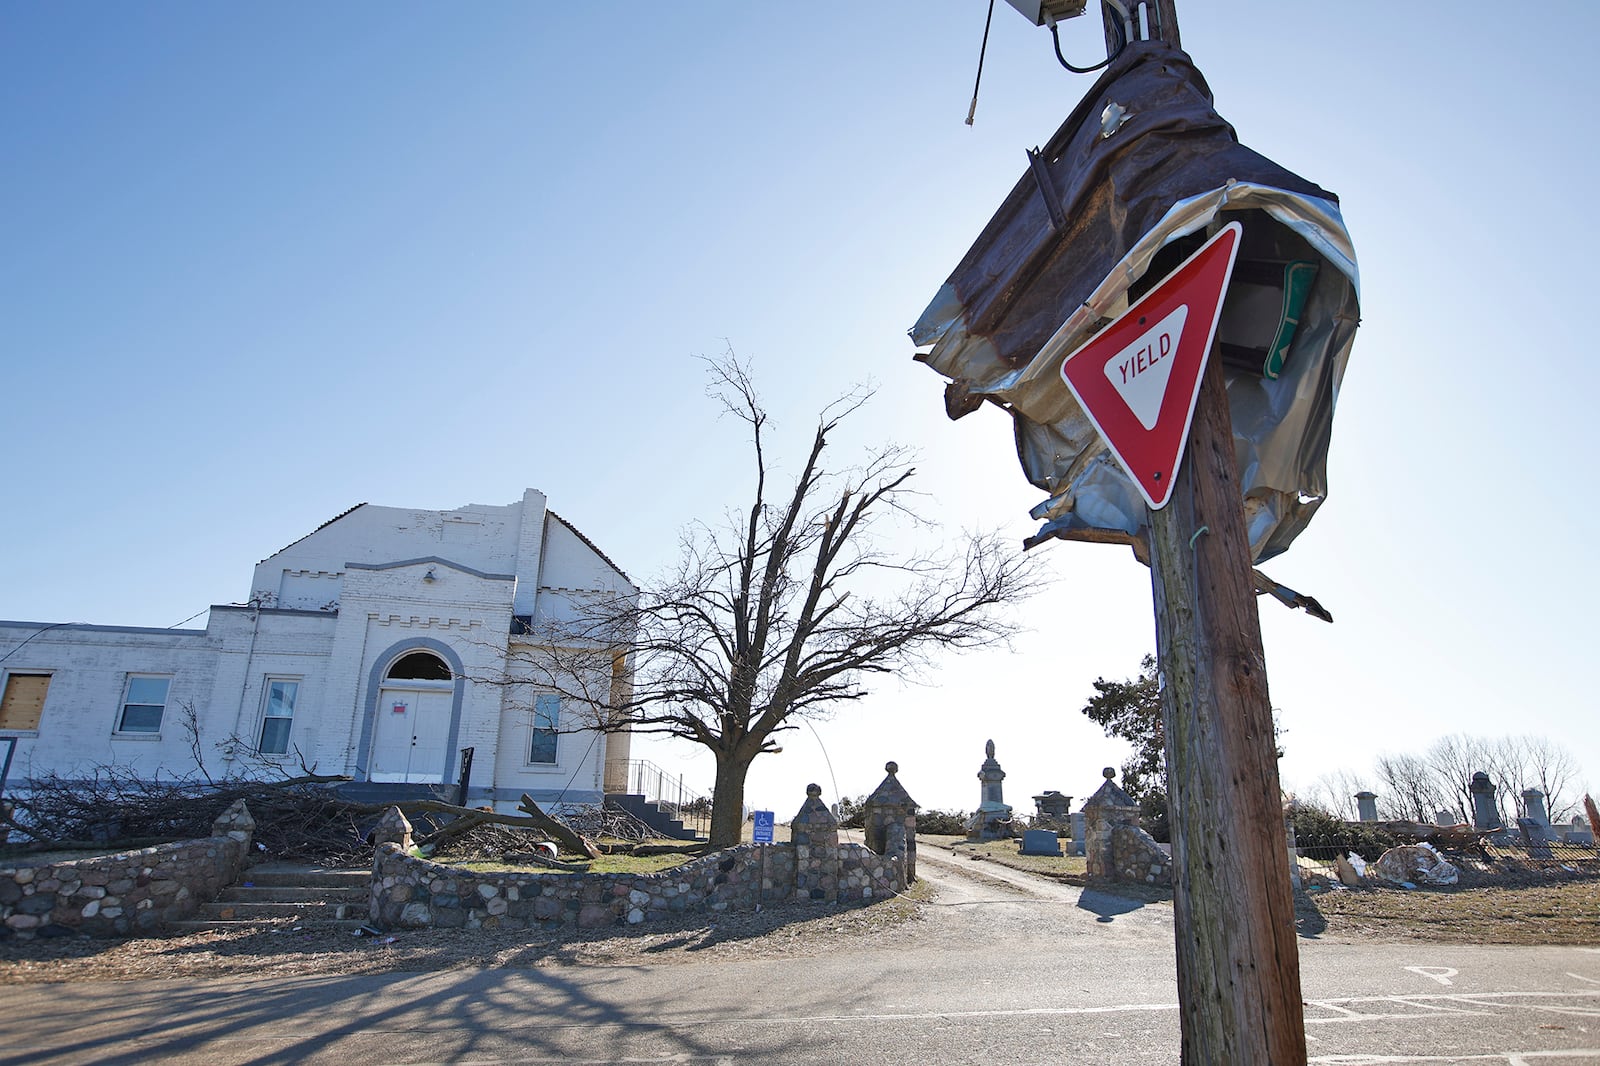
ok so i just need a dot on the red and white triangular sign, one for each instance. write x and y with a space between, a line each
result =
1139 377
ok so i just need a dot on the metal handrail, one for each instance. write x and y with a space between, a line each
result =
664 789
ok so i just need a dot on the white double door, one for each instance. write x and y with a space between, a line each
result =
412 729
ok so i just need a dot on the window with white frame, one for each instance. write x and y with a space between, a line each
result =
546 717
143 703
278 715
23 701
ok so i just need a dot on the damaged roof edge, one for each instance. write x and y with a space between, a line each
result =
314 532
592 546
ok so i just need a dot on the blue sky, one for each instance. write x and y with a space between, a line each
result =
263 263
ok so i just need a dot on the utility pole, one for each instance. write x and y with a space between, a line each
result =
1233 908
1148 375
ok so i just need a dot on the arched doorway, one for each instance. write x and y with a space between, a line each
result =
412 731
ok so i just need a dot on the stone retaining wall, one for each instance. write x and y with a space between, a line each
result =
127 893
411 893
1137 858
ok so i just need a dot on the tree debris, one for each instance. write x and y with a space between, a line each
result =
300 819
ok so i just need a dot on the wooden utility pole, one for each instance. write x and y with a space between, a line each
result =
1238 960
1233 908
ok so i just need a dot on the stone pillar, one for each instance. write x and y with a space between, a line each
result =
1103 812
235 823
1533 804
891 821
393 828
1485 814
815 836
1367 806
1294 849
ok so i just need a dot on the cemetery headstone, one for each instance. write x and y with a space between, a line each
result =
1040 842
1485 814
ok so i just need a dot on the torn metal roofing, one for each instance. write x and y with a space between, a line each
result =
1128 186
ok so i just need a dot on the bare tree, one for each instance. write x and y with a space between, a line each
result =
782 612
1336 793
1453 760
1408 788
1552 770
1416 786
1503 762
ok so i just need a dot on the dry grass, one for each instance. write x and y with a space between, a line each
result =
1072 869
605 864
1558 912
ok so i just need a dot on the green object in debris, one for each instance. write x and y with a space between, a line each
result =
1298 277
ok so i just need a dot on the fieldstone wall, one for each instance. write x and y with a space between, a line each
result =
127 893
1137 858
411 893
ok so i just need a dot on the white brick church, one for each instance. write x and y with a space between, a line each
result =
370 647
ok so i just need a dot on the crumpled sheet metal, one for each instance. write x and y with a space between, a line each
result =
1043 278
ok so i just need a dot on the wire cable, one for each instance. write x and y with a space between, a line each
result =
982 51
191 618
1055 36
837 798
46 629
577 769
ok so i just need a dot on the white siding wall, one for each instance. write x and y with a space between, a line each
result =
482 572
580 757
569 563
90 667
478 536
254 645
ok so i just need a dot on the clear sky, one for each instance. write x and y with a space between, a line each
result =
259 263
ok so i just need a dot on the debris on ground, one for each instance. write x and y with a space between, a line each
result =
1413 864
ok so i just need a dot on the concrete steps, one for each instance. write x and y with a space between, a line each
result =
651 814
287 896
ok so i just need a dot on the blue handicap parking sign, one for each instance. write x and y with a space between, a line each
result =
763 827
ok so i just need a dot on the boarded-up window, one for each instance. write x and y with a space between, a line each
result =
23 701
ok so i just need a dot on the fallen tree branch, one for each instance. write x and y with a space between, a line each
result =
562 834
533 858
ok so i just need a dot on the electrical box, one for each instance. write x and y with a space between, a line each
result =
1036 10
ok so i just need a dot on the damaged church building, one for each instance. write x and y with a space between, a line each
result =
377 647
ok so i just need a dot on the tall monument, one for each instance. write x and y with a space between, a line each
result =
992 819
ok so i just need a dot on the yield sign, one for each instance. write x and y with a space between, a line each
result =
1138 378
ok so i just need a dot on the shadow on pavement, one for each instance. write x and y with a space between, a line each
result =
450 1017
1108 904
1308 919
